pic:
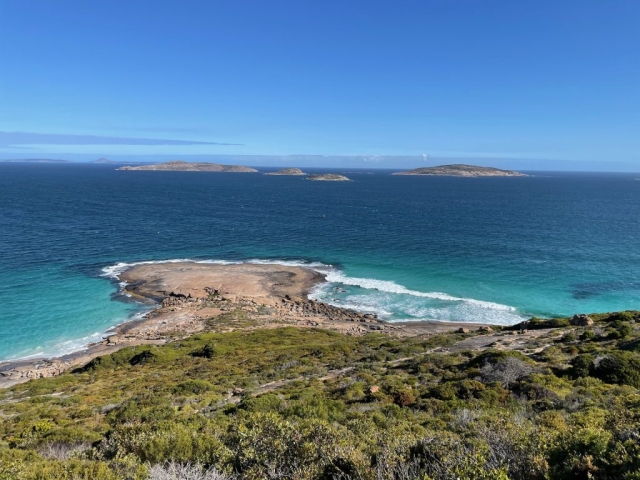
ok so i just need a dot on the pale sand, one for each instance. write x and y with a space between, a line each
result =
190 296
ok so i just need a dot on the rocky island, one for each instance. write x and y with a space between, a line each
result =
460 170
287 171
35 160
328 177
182 166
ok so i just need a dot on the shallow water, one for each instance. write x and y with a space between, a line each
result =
485 250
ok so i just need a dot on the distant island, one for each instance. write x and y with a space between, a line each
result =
103 160
328 177
35 160
287 171
182 166
459 170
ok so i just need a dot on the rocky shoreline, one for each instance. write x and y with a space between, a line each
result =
192 297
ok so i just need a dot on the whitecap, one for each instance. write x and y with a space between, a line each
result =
392 287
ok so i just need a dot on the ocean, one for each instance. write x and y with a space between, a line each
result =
495 250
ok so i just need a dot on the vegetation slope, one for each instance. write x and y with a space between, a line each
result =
312 404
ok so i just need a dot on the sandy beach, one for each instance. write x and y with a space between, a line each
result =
191 297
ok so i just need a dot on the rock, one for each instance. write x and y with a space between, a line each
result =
462 330
485 329
581 320
174 300
374 389
114 340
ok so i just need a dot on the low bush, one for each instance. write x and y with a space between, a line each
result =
312 405
618 367
587 335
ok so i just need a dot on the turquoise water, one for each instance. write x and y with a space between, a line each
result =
53 311
485 250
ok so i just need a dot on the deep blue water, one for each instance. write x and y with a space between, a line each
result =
486 249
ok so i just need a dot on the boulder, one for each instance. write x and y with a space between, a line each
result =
581 320
114 340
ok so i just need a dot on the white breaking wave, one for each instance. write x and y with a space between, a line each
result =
114 271
66 347
392 287
59 349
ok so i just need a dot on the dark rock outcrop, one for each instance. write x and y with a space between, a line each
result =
581 320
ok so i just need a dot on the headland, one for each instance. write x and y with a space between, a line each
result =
190 297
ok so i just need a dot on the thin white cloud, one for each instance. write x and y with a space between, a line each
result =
21 139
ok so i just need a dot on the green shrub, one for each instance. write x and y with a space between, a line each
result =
623 329
148 407
558 323
266 443
468 389
618 367
264 403
581 365
446 391
146 356
404 398
627 316
496 356
192 387
588 335
208 351
537 323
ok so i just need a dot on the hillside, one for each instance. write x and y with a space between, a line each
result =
458 170
182 166
547 399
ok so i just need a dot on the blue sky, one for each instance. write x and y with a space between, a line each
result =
463 79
